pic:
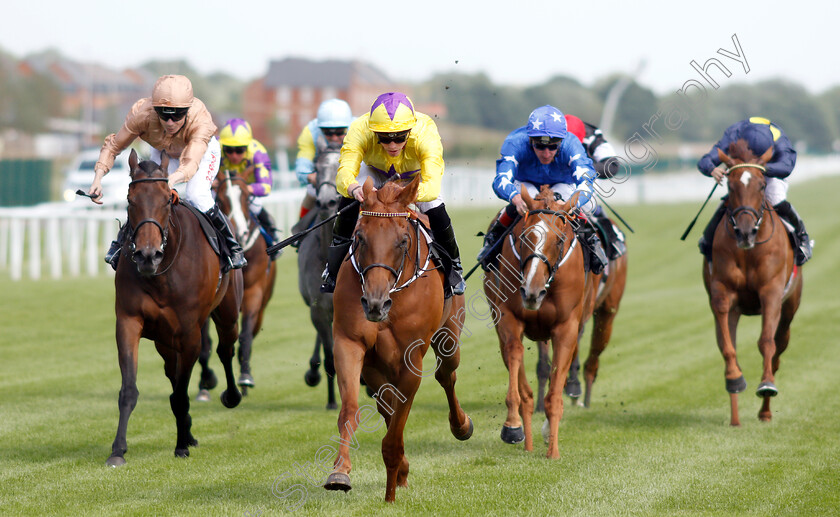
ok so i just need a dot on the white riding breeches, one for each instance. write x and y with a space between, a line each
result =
197 190
776 190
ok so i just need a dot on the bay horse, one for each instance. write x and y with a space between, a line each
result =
607 293
312 258
389 307
539 290
167 284
752 272
259 274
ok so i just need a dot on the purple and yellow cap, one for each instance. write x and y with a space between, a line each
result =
392 112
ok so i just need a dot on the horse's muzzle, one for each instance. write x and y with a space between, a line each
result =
147 260
532 300
376 310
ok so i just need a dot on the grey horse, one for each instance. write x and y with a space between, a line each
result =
312 258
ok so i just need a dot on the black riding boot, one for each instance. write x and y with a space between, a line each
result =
342 230
113 255
705 242
490 239
267 222
220 222
592 245
444 235
614 246
335 256
802 251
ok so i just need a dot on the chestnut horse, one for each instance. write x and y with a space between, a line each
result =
607 293
312 258
389 307
167 284
752 272
233 198
544 260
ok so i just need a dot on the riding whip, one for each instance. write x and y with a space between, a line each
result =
691 225
604 202
282 244
498 241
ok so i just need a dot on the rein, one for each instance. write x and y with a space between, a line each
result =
561 257
758 216
163 231
418 271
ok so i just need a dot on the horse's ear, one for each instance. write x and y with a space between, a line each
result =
572 203
409 192
132 161
767 156
725 158
529 201
367 187
164 162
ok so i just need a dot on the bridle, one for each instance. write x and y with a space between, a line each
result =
164 231
758 216
397 273
536 254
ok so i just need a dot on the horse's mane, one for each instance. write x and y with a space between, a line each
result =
546 196
739 150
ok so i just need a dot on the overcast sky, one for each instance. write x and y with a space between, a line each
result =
515 43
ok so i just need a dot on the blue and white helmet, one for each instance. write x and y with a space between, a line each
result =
334 113
547 122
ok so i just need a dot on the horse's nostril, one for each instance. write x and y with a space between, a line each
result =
387 305
365 304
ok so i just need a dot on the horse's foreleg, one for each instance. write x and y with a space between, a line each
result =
393 449
526 406
512 353
246 342
721 302
771 313
564 342
128 341
349 356
323 325
178 368
208 379
226 318
543 373
446 346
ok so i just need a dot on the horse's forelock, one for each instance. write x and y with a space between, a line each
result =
151 169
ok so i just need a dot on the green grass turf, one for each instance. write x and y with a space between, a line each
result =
656 440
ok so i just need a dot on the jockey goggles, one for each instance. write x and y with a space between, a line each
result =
542 143
237 149
397 138
167 113
334 131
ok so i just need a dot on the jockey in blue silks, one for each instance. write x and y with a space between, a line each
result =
543 152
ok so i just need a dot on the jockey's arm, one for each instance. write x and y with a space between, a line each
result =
352 154
430 152
305 161
261 174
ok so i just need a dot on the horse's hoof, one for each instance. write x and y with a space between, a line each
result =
203 396
115 461
513 434
182 453
312 378
209 381
332 405
245 379
469 432
572 389
230 401
338 481
736 385
192 442
766 389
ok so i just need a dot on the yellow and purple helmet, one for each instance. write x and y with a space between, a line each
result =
235 133
392 112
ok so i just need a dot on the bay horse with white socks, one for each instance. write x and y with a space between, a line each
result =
539 291
389 308
167 285
752 272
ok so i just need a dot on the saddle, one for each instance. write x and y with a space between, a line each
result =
216 241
